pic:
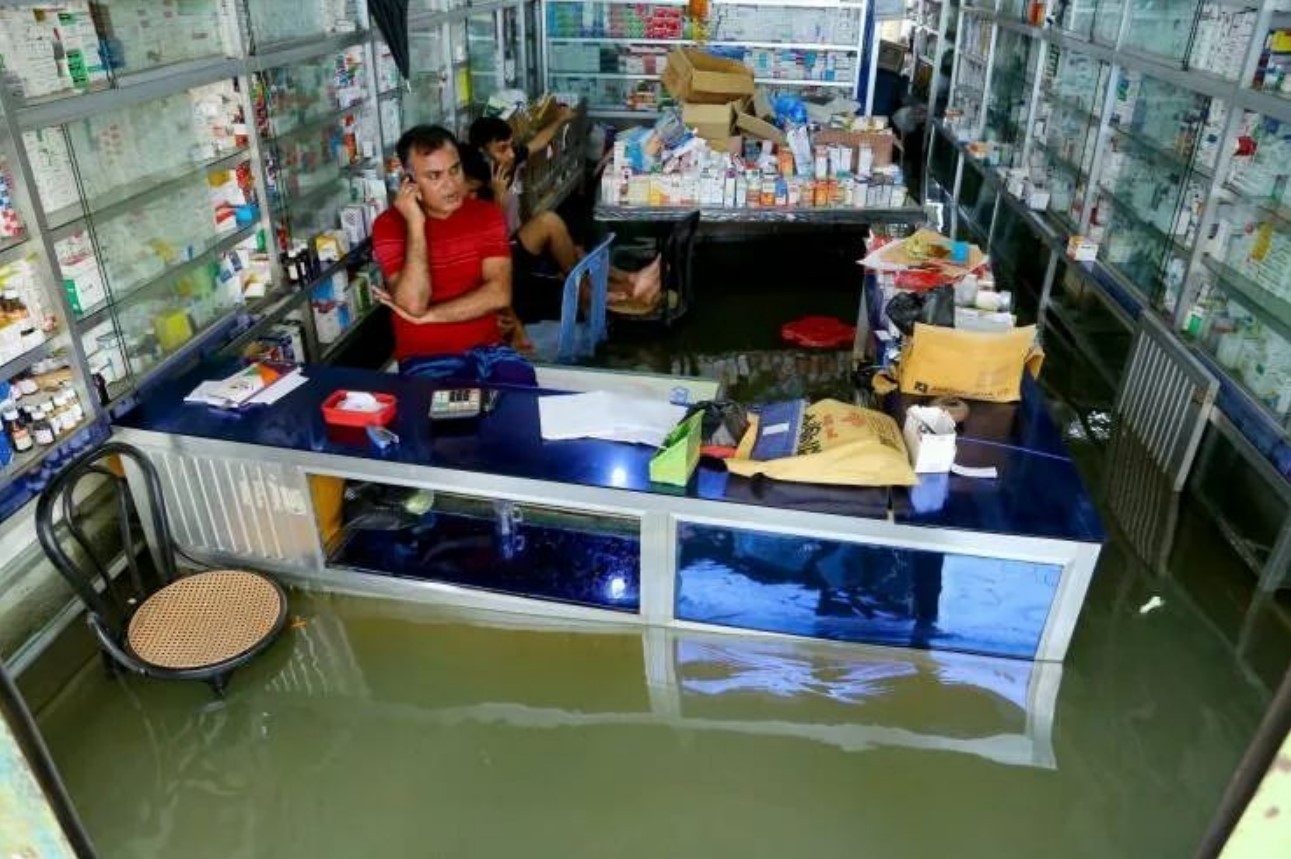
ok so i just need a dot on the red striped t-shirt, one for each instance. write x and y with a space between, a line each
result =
458 246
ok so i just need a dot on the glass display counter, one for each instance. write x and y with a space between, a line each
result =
492 515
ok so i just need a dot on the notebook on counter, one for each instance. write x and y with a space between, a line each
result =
779 425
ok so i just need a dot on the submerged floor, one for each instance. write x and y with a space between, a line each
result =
392 729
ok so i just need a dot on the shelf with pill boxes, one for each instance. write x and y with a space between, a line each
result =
273 24
1153 181
803 49
1241 314
56 50
1065 130
1009 97
322 149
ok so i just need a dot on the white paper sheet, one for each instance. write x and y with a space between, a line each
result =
609 416
204 394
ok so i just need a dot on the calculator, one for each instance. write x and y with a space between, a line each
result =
456 404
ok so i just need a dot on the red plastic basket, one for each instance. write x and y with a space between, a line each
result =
345 418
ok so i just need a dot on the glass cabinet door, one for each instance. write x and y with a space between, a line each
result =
968 98
484 47
1224 34
460 63
277 22
1078 17
1012 80
1072 90
55 50
1151 187
322 144
428 99
1243 314
155 236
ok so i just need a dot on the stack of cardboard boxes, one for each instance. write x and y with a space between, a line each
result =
720 101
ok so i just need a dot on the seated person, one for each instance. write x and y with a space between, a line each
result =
447 266
496 176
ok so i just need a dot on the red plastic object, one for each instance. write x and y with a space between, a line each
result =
818 332
346 418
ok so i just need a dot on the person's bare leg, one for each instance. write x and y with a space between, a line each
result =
547 233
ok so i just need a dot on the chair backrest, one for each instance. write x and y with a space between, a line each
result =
596 266
678 263
75 555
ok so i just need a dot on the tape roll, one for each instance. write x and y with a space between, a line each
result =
954 406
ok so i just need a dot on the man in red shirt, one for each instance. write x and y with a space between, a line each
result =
447 263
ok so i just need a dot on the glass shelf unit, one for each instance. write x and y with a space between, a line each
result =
613 54
1159 129
274 23
1009 97
64 49
157 156
321 141
1065 131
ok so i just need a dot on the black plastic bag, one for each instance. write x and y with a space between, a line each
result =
939 307
932 307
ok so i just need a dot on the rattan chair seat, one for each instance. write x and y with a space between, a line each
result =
205 619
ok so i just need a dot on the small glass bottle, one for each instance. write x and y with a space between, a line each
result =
41 429
74 406
21 439
11 418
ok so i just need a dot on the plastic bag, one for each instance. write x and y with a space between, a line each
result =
839 445
931 307
789 110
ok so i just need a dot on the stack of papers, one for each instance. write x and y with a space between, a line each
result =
609 416
240 390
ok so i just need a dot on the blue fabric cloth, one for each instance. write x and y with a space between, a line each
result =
498 364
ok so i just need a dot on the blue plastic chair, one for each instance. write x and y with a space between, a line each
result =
569 339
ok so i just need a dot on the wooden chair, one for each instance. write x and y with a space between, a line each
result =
196 626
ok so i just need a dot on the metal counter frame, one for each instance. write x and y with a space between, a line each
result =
238 503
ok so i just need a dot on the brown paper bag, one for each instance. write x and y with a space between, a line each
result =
839 445
976 365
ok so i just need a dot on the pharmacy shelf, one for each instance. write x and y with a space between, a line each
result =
607 112
95 314
28 461
1270 207
14 366
789 46
1126 209
142 191
1067 165
1159 153
9 244
608 76
261 313
803 82
616 40
347 336
312 124
129 90
1273 311
1068 103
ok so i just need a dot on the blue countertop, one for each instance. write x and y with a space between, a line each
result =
1039 492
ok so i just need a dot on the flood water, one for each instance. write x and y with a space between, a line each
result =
380 728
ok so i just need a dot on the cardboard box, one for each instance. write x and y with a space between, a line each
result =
694 77
710 121
880 142
891 56
929 439
759 128
972 364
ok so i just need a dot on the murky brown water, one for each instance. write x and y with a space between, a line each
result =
393 729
